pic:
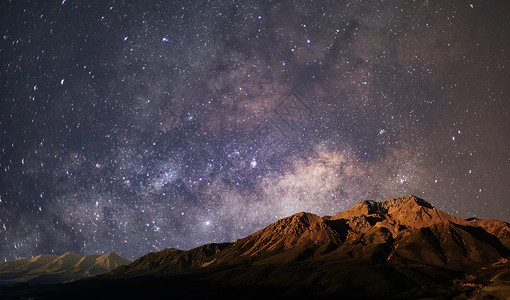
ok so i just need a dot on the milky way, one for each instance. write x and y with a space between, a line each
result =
137 127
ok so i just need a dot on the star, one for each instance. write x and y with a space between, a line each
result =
176 126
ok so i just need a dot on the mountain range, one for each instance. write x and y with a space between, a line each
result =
398 248
44 269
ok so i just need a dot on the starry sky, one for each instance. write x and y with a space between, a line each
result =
134 126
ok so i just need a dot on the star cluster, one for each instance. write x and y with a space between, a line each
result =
138 126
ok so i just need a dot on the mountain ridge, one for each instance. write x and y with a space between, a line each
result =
44 268
404 233
386 222
398 248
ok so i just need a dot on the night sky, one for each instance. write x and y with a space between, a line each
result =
134 126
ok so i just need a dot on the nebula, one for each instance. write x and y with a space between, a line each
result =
132 128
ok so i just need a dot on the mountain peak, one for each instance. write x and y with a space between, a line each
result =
363 208
285 234
304 217
397 213
410 200
70 255
112 255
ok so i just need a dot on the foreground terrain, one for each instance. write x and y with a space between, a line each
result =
398 248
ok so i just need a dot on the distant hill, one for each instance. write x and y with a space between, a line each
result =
399 248
45 269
